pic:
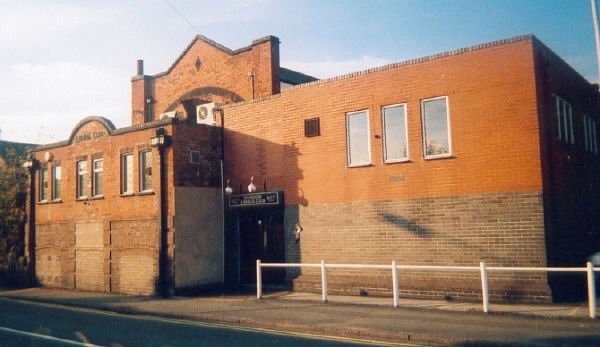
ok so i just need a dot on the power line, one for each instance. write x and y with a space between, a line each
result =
182 16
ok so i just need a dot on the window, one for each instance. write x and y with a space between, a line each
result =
312 127
43 183
56 178
82 171
395 145
564 121
97 179
436 128
195 157
357 138
145 171
127 173
591 137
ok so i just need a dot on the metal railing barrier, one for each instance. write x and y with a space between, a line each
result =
483 269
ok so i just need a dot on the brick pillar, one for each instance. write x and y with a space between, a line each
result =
141 110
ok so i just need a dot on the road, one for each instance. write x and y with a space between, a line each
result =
35 324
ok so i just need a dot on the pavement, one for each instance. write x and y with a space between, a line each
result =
364 318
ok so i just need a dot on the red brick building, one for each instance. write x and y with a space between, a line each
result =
487 153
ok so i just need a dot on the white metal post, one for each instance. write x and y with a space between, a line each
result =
324 281
395 282
258 280
484 287
596 31
591 289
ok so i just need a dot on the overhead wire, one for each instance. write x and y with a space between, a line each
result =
182 16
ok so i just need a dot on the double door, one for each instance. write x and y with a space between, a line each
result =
261 236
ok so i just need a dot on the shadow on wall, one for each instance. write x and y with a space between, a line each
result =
506 290
273 166
408 225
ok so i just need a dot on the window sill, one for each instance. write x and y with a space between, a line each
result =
85 198
438 157
398 161
149 192
126 195
359 165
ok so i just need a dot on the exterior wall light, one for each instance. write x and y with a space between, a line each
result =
228 189
30 163
160 139
251 186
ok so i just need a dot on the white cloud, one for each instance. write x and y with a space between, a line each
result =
34 21
43 102
332 68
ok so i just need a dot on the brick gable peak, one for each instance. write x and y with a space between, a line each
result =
268 38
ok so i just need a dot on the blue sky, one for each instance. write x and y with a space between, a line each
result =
63 60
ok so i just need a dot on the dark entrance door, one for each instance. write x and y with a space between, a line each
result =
261 237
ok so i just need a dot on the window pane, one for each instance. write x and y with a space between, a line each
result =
56 183
98 165
127 174
146 171
435 124
564 121
43 184
358 138
81 179
394 133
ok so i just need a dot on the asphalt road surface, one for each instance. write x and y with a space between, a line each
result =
35 324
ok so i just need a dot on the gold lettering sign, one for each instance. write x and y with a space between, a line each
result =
89 136
258 199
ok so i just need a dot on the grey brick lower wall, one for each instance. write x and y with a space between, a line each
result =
117 256
501 229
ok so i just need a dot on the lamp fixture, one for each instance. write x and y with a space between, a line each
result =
160 139
228 189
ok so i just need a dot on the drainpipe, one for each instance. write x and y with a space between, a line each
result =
251 81
31 164
165 281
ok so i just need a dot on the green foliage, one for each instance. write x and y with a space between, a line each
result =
13 185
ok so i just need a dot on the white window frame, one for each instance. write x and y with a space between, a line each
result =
386 158
56 182
564 120
44 182
98 177
82 179
127 186
349 159
424 128
142 176
590 134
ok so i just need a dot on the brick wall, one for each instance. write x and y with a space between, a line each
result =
502 229
55 254
206 71
571 174
205 141
96 242
483 203
134 256
115 237
493 117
